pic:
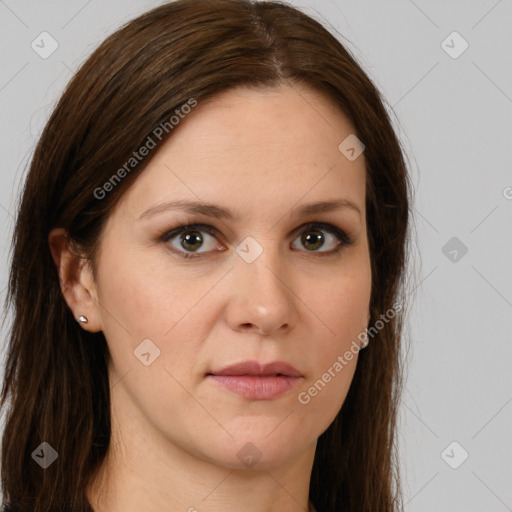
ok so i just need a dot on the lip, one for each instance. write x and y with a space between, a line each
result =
256 381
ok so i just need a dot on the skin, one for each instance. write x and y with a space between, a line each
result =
262 153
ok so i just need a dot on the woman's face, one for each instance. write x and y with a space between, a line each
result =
258 284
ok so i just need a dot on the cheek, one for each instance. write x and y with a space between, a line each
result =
148 298
342 305
323 396
144 295
341 314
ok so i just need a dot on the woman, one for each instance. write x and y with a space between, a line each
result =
213 226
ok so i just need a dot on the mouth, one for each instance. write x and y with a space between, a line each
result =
255 381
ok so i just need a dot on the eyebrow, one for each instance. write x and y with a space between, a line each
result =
212 210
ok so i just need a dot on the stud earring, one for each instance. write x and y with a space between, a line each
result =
82 320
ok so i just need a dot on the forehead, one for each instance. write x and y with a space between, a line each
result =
254 148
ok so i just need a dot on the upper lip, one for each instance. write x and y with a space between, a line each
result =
256 368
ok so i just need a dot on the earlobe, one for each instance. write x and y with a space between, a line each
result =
76 281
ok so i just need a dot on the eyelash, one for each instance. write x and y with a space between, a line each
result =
344 239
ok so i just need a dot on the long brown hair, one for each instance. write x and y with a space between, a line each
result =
56 380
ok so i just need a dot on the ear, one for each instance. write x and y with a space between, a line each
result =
76 280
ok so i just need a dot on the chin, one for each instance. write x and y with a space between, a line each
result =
256 451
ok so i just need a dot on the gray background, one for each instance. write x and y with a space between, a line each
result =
454 118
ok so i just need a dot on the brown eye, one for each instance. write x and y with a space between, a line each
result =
312 240
315 236
190 239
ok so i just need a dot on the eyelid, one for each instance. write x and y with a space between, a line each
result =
331 228
190 227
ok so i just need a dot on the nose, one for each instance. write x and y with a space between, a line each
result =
262 298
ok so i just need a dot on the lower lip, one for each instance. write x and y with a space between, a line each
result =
255 387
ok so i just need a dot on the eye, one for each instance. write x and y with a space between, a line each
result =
191 238
312 237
